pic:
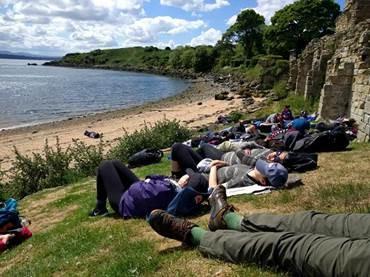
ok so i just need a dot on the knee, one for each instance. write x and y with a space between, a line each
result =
106 164
176 148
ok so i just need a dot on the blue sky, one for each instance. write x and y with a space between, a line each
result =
56 27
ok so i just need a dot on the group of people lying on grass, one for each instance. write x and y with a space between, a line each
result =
307 243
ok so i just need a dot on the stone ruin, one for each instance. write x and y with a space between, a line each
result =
336 69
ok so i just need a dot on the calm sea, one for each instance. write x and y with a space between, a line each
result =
37 94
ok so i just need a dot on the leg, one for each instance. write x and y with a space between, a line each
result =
336 225
208 151
303 254
185 156
355 226
112 181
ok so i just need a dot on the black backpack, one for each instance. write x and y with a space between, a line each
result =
145 157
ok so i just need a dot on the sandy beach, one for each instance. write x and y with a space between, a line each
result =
194 108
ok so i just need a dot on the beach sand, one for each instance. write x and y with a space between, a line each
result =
194 108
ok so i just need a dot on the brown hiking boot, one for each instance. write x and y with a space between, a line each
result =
171 227
219 207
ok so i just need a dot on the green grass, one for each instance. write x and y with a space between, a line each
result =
67 242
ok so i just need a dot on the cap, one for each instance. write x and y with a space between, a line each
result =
276 174
197 181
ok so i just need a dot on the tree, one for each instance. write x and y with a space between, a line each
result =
204 59
248 31
294 26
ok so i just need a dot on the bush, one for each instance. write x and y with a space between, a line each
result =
280 89
31 174
163 134
86 157
235 116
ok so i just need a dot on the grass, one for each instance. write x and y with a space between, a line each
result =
67 242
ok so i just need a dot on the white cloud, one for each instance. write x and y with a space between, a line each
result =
267 8
148 29
196 5
60 26
209 37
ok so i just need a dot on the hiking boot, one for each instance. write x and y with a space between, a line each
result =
219 206
171 227
99 212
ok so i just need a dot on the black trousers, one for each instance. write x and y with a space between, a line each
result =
186 157
113 179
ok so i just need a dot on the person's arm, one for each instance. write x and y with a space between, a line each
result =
250 145
216 164
212 182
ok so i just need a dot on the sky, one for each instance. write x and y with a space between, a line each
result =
57 27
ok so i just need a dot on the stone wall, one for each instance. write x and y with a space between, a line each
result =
337 69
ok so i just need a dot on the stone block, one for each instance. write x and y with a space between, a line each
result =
348 69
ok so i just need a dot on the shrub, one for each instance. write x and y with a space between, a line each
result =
31 174
280 89
86 157
235 116
163 134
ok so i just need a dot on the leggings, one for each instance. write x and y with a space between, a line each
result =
186 157
113 179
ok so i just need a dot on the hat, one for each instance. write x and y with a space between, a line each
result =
276 174
197 181
300 124
184 202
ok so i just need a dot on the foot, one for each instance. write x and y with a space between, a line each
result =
171 227
99 212
219 207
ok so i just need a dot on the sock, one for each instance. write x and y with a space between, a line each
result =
197 234
233 221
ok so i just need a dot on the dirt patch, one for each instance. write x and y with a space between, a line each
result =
42 222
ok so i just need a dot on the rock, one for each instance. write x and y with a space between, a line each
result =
199 103
230 98
220 96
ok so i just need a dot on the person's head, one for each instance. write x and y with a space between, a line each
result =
279 117
270 174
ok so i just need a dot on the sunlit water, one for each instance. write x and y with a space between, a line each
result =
36 94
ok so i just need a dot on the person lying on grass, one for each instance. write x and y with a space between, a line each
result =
131 198
304 243
10 237
246 153
232 176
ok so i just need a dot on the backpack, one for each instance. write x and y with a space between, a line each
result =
300 162
145 157
327 141
9 214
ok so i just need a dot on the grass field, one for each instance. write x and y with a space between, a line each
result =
67 242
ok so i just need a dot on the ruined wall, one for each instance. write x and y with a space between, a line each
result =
337 69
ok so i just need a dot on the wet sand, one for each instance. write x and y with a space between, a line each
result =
194 107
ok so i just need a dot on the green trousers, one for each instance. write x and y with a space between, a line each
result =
306 244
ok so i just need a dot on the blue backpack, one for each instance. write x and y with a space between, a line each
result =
9 213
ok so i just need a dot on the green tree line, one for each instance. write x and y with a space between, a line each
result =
243 43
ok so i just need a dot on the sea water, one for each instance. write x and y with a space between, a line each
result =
37 94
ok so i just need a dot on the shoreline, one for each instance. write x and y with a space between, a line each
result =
194 107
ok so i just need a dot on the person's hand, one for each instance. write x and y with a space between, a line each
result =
198 199
271 157
6 238
218 163
183 181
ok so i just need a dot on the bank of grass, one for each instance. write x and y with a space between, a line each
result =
67 242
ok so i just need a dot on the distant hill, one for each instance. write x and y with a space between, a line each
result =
24 56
